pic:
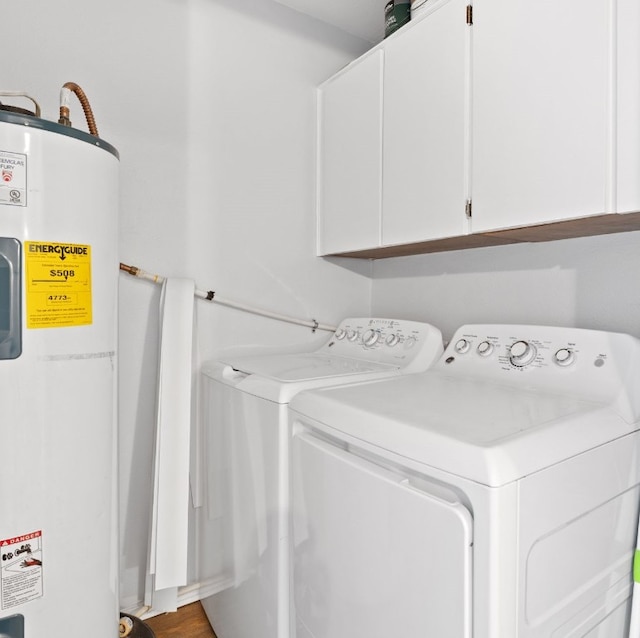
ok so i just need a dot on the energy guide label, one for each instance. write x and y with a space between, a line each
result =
13 178
58 284
21 575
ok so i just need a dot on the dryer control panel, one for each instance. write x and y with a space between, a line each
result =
409 345
591 364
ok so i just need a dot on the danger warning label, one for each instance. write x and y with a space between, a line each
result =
13 179
21 572
58 283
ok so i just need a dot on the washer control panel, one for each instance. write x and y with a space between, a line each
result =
397 342
584 362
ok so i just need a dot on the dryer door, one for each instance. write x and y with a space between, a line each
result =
375 554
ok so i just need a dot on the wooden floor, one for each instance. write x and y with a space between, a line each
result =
189 621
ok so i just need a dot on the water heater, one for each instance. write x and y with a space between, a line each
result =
58 358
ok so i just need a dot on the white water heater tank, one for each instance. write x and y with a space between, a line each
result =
58 358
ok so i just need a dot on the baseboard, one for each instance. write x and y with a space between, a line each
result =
186 595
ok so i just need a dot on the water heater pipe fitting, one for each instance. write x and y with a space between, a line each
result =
65 97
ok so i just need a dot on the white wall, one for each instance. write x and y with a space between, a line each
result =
587 282
211 105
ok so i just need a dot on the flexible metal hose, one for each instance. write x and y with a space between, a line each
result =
212 296
67 89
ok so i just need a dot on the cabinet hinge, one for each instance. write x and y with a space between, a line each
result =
469 14
467 209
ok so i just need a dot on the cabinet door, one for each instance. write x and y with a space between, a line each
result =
425 127
628 106
350 158
540 111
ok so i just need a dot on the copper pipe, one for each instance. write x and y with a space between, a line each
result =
86 107
132 270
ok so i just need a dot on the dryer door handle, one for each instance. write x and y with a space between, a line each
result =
365 462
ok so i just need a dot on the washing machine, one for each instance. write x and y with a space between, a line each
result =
245 402
493 496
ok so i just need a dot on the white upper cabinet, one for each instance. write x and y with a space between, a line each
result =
542 121
350 157
627 99
393 129
425 159
527 111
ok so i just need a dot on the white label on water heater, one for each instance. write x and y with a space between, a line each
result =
13 179
21 576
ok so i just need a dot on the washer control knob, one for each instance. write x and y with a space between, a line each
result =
462 346
522 353
485 348
340 334
409 342
352 335
370 337
392 340
564 357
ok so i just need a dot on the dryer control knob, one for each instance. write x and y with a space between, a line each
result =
340 334
564 357
522 353
392 340
353 335
462 346
485 348
370 337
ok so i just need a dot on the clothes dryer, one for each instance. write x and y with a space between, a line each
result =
493 496
246 426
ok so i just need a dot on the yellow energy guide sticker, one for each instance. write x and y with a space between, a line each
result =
58 284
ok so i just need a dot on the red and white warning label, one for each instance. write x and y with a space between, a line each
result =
21 575
13 178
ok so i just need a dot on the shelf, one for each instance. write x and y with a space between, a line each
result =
566 229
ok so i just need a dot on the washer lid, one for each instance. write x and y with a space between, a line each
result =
485 432
290 368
